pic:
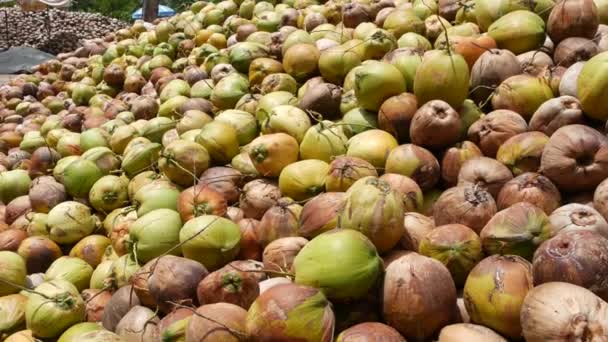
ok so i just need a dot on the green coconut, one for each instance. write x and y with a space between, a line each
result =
291 312
303 179
122 270
456 246
358 120
155 234
278 82
109 193
243 53
517 230
495 301
155 128
12 313
592 87
156 195
14 183
31 141
373 146
269 101
221 140
442 76
52 308
211 240
102 275
183 161
243 122
378 43
94 137
70 221
141 158
287 119
323 141
106 160
407 60
82 93
202 89
12 273
335 260
518 31
336 62
73 334
171 107
228 91
375 82
174 88
523 94
75 270
399 22
80 176
488 11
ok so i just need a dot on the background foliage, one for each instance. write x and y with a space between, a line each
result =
122 9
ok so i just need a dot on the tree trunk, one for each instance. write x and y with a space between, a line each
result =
150 10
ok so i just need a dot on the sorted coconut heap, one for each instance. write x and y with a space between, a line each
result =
65 33
300 171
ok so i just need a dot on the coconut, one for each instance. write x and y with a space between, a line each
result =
269 101
243 122
454 158
407 59
383 225
486 173
301 61
220 321
323 99
323 141
435 125
335 63
199 200
575 216
293 182
523 94
345 171
139 323
261 67
415 162
279 255
522 152
409 190
72 269
532 188
517 230
573 19
535 63
173 326
539 305
470 332
568 83
16 208
258 196
574 257
456 246
224 180
95 303
230 284
12 310
320 214
13 183
373 146
192 119
210 240
140 158
518 31
160 194
272 152
121 302
370 330
52 308
433 295
564 160
496 301
574 49
469 205
154 234
220 140
279 303
396 113
375 82
556 113
183 161
287 119
43 159
13 272
76 330
281 220
450 84
109 193
38 252
10 239
68 222
490 132
591 85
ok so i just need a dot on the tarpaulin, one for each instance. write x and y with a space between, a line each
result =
21 59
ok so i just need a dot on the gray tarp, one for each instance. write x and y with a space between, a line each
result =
21 59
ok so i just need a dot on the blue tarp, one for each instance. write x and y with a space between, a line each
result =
163 11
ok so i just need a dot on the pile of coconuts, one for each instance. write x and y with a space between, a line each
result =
369 170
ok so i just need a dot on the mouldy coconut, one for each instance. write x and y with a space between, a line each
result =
370 331
492 130
579 313
415 162
173 326
48 318
138 324
521 153
435 125
320 214
38 252
323 99
376 210
277 314
468 332
419 296
486 173
518 31
279 255
490 70
218 322
231 284
468 205
574 49
522 94
225 180
453 159
517 230
600 198
416 227
121 302
530 187
575 216
95 303
576 158
210 240
456 246
258 196
334 260
494 299
577 18
575 257
442 76
396 113
591 86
